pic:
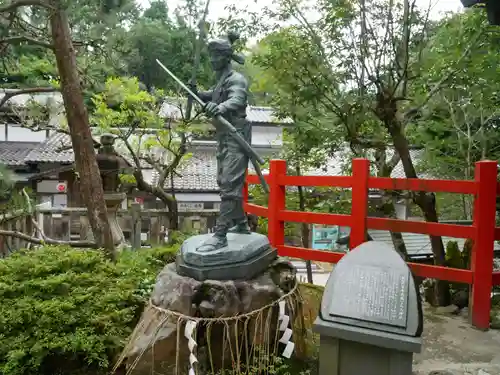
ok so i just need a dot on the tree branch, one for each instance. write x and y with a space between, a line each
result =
413 111
22 38
47 241
24 3
33 90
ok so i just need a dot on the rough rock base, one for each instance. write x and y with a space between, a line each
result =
251 325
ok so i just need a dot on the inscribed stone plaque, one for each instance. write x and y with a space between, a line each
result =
369 293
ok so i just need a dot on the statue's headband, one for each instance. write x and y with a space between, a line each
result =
224 46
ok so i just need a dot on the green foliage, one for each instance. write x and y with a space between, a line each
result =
173 45
272 365
123 105
133 115
65 310
6 184
460 125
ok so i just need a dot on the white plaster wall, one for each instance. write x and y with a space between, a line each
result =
19 134
267 135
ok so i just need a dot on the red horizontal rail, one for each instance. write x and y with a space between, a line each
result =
256 209
383 183
332 181
309 254
496 278
253 179
422 270
314 217
417 184
442 273
434 229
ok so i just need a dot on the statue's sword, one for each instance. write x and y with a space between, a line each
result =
254 157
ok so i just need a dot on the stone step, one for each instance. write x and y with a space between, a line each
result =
301 266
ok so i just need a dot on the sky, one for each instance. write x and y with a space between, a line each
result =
217 6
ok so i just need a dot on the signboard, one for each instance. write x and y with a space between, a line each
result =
324 237
190 207
51 186
61 187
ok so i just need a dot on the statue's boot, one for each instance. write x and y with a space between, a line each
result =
241 228
216 242
240 218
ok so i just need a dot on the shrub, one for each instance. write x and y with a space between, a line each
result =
63 310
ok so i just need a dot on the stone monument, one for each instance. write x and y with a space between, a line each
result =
370 319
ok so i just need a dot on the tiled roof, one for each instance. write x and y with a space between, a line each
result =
199 172
336 164
256 115
55 149
12 154
418 245
416 156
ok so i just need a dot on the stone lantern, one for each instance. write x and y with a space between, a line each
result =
110 164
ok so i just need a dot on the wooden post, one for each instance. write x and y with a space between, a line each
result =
359 207
10 242
29 229
18 227
155 231
135 232
482 253
66 227
277 196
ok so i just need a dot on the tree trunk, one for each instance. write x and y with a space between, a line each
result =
85 158
427 204
387 209
169 201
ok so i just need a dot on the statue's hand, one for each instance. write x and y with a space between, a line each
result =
212 109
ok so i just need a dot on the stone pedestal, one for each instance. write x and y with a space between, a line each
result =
245 257
155 343
113 202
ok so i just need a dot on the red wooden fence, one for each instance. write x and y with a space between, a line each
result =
483 230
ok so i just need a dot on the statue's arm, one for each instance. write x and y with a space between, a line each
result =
237 95
205 96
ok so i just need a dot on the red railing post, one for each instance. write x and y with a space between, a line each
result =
482 253
245 188
359 206
276 227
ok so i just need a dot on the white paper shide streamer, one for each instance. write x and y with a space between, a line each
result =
188 334
284 320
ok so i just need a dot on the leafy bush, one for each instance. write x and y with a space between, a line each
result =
63 310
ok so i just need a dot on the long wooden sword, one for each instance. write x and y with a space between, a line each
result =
253 156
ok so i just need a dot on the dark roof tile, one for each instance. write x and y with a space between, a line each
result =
55 149
255 115
12 154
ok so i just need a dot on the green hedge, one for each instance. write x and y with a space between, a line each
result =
66 311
